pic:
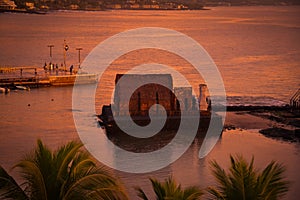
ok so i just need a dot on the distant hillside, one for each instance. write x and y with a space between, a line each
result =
250 2
110 4
140 4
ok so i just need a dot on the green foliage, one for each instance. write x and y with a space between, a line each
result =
169 189
243 182
70 173
67 173
9 189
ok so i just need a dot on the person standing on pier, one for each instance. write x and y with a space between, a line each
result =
50 67
71 69
56 69
45 67
61 67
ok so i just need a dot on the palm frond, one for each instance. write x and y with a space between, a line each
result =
158 188
192 193
9 189
172 188
97 183
216 193
34 181
64 156
67 173
169 189
141 193
224 184
244 182
271 181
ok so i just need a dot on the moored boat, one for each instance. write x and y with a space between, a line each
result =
20 87
4 90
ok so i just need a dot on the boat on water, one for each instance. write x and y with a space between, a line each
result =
4 90
61 80
15 87
21 87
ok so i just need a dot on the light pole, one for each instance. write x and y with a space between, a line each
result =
66 48
51 46
79 49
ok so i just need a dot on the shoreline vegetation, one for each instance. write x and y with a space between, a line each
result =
70 172
45 6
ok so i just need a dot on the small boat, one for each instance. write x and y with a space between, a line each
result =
20 87
4 90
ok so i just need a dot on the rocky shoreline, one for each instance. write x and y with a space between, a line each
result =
277 122
282 133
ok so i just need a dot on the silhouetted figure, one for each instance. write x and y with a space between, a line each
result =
45 67
71 69
50 67
56 69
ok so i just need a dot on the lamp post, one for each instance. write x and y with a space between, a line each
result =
51 46
79 49
65 49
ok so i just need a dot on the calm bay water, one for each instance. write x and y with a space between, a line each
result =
256 49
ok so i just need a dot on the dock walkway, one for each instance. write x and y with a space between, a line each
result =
36 77
22 76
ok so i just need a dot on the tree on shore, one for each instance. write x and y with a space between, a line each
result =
244 182
169 189
67 173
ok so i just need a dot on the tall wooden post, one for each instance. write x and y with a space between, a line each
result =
51 46
79 49
65 49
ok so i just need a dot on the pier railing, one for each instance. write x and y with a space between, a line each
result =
21 69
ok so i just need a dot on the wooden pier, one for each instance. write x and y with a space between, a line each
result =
36 77
18 78
11 69
29 81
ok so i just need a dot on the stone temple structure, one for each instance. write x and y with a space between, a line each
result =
144 97
141 96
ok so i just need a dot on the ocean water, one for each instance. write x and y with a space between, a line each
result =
256 50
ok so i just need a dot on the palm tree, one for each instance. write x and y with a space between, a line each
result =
243 182
67 173
169 189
